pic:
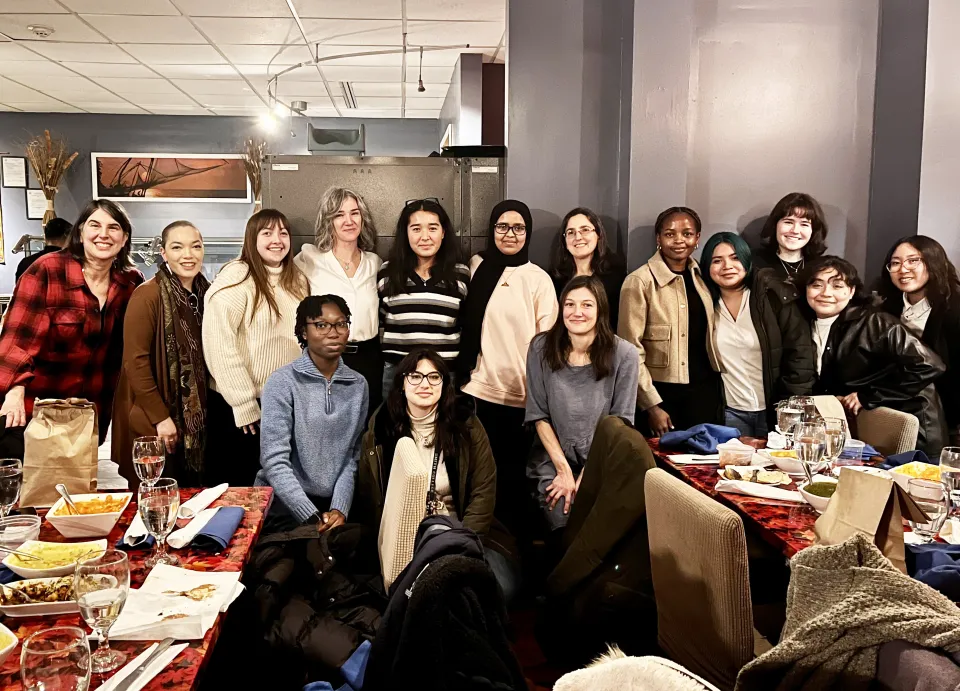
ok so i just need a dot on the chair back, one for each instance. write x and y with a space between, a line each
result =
887 430
698 557
829 406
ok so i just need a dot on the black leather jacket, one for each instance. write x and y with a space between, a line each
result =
870 352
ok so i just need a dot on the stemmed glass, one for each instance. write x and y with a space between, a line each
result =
101 582
149 454
158 505
810 441
950 475
836 438
788 417
931 497
11 480
56 659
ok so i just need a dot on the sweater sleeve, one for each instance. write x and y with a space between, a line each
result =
624 404
537 404
222 323
545 304
139 332
342 498
632 324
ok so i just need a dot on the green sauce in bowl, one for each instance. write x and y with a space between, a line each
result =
821 489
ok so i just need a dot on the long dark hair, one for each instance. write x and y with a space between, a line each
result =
801 205
291 279
943 284
451 431
403 260
122 262
562 265
846 271
557 346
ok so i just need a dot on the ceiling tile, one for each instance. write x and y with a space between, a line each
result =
321 112
305 90
7 109
196 71
378 102
426 102
179 110
448 57
214 100
261 73
352 32
11 91
85 52
372 113
150 7
66 27
100 107
12 51
239 110
423 114
434 33
249 30
377 58
487 10
74 85
174 54
278 56
32 68
119 28
174 100
32 6
213 86
235 8
368 9
362 73
137 86
376 89
96 69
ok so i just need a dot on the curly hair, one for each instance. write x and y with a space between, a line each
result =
329 207
311 307
801 205
943 284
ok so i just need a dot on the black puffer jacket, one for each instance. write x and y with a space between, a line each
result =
871 353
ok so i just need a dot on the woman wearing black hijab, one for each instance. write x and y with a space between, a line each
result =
510 301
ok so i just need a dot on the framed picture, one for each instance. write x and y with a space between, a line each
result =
14 171
36 205
170 178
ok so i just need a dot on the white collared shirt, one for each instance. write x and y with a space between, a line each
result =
914 317
739 347
327 276
821 334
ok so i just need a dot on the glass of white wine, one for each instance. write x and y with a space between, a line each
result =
158 505
101 582
149 454
835 429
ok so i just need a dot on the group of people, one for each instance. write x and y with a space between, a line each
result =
305 371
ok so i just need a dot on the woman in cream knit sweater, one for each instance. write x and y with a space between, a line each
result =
248 332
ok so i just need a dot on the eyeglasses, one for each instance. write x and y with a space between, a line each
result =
416 378
910 263
324 327
425 199
503 229
582 232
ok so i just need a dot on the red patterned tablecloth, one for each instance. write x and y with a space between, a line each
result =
183 672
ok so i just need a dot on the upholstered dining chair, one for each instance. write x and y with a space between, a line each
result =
829 406
887 430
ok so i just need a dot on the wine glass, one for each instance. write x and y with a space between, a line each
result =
11 480
158 505
950 475
56 659
101 581
810 442
149 454
932 498
836 437
788 416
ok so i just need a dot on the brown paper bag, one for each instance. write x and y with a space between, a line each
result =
60 445
870 504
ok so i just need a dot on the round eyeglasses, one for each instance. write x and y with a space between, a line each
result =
416 378
324 327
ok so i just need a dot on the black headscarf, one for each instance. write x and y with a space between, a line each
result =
484 282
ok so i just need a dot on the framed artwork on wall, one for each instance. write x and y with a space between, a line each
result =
36 205
14 171
217 178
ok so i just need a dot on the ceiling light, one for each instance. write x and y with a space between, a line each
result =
298 107
40 31
268 121
280 110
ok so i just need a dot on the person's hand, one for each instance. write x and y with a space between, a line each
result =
330 520
13 408
660 422
851 403
562 487
167 430
252 428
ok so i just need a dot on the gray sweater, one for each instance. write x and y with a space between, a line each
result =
574 401
310 435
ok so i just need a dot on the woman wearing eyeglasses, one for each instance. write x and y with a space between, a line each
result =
421 287
510 301
163 383
581 250
922 288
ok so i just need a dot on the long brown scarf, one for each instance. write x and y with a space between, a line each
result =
181 315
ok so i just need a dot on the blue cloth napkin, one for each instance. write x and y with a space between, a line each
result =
938 565
700 438
217 532
352 671
868 452
899 459
8 576
146 543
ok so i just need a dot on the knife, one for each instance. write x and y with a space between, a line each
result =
132 677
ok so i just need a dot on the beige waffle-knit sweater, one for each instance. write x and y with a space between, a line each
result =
242 352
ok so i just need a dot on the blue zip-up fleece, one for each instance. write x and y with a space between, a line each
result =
310 435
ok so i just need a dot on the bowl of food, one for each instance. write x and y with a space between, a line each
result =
818 492
38 597
15 530
915 470
786 460
98 514
8 643
48 559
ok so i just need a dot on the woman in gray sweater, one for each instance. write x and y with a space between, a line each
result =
577 373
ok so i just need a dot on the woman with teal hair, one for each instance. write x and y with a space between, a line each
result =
763 341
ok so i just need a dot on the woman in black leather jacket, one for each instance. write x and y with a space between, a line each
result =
866 357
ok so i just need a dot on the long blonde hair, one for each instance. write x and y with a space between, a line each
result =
330 205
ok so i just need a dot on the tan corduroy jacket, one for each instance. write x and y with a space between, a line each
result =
653 317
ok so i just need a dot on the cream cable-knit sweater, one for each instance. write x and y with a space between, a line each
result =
241 353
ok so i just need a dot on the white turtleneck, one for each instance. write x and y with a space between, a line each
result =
423 431
821 334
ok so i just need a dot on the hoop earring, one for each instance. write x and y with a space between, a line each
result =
697 247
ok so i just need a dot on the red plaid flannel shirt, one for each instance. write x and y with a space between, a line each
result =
57 342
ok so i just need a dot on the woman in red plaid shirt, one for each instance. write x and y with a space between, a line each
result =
63 334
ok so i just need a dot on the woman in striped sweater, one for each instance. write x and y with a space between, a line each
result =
421 288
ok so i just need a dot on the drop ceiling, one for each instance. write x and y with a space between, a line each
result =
215 57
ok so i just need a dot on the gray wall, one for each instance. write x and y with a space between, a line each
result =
463 106
939 215
172 134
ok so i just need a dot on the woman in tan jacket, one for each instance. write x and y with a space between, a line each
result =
163 384
666 311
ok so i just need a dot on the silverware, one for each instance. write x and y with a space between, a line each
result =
22 555
132 677
62 489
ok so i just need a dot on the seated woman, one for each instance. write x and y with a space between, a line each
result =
577 373
763 340
313 414
866 357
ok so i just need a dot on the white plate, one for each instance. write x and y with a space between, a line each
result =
12 642
38 609
18 568
749 467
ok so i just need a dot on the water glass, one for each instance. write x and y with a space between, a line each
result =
950 475
932 498
788 417
159 504
810 440
101 581
836 437
11 480
56 659
149 454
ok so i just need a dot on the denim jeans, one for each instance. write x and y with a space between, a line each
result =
751 423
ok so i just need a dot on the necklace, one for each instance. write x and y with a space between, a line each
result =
786 266
349 263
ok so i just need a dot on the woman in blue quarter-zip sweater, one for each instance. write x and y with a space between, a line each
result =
313 415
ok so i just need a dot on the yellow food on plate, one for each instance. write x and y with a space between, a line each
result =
88 507
782 454
919 469
51 554
6 639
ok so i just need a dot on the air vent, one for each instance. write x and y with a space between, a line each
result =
349 100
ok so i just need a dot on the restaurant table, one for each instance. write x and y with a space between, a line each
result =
184 671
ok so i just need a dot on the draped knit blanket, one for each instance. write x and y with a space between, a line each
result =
844 601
